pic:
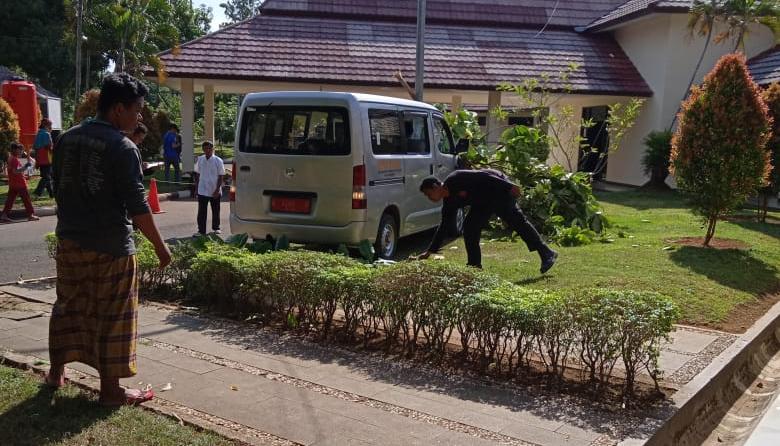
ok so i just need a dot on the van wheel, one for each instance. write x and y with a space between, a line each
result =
386 237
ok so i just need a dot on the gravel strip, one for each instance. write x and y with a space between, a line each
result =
700 360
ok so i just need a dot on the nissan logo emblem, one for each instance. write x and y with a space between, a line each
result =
289 172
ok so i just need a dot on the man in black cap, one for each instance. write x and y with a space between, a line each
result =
488 192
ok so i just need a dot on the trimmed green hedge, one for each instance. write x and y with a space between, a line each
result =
420 306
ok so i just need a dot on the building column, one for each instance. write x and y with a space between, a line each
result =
568 156
493 127
208 113
457 103
187 123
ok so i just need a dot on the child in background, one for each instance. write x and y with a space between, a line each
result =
17 184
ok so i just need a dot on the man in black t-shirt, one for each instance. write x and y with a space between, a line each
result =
99 190
488 192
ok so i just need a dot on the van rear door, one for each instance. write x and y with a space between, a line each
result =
294 165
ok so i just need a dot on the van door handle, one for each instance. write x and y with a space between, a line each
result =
244 168
431 169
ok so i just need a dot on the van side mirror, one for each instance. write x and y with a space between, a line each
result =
462 146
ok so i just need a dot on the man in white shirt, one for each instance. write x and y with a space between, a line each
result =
209 175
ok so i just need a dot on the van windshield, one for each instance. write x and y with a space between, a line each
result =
320 131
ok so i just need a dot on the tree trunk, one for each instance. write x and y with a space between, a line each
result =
693 76
713 220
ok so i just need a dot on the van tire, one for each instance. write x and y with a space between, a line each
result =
386 237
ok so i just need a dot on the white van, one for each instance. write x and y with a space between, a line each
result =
332 168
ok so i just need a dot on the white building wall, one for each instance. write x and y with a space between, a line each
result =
665 55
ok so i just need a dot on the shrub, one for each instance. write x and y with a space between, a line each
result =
87 107
655 161
217 275
771 97
719 153
428 307
51 244
152 143
9 129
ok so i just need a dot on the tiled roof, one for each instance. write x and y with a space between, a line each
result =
637 8
298 49
765 67
511 13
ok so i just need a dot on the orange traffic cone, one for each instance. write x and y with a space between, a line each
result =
154 202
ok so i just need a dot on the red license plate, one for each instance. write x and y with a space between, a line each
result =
291 205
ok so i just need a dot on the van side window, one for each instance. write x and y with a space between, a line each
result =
295 131
385 132
442 136
416 133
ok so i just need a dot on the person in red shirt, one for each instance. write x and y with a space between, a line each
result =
17 184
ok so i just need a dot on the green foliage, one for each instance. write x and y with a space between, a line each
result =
87 107
771 97
51 244
554 199
521 148
417 306
238 10
32 39
719 153
655 161
574 236
9 129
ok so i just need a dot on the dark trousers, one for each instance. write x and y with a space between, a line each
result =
507 210
45 181
203 203
175 163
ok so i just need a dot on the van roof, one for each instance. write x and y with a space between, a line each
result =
358 97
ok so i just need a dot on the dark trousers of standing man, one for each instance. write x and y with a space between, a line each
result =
506 209
45 181
203 203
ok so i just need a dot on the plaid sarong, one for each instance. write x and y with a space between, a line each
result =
94 319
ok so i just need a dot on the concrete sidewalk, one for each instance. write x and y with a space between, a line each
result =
305 393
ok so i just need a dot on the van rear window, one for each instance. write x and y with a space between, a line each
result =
322 131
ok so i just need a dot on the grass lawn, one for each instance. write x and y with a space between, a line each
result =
32 183
31 414
714 288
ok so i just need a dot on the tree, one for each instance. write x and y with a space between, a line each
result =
719 153
238 10
771 97
32 39
9 129
740 15
191 22
655 161
87 107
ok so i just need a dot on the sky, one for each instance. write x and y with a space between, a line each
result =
219 13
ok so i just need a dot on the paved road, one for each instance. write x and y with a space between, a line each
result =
23 250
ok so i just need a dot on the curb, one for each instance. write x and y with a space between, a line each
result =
48 211
701 400
42 211
157 405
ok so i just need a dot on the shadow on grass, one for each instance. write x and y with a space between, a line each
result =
734 268
49 417
642 200
769 229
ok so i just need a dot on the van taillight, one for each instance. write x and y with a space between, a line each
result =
233 183
359 187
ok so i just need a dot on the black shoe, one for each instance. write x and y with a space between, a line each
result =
548 260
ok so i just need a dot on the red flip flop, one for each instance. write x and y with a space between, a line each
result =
131 399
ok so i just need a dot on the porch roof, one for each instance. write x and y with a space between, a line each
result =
368 53
765 67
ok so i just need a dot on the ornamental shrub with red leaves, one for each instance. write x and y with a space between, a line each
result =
719 151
